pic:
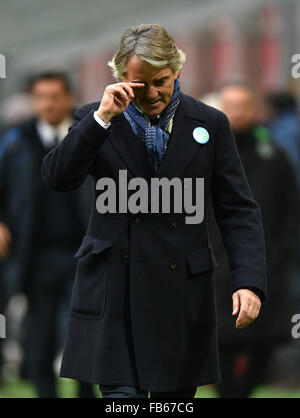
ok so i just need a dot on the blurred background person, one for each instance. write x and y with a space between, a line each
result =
40 229
14 109
282 118
245 353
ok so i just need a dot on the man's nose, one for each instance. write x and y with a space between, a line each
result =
151 93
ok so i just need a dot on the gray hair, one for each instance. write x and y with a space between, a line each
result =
151 43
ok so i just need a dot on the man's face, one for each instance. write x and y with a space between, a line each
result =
240 107
51 101
159 85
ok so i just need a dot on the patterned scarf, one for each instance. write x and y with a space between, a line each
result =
155 137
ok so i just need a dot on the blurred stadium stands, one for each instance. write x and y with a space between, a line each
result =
222 39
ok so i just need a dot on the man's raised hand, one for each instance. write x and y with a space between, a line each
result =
116 98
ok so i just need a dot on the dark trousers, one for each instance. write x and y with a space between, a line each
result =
49 292
243 368
134 392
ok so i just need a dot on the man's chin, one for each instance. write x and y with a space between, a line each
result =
153 109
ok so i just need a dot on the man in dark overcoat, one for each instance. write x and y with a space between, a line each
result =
40 229
143 307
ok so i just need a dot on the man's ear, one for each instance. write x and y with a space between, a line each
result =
176 75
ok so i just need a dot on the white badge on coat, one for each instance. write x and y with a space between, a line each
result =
200 135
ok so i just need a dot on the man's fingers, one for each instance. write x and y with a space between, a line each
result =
129 89
136 84
5 237
116 99
235 303
119 90
243 319
248 313
249 307
125 91
5 241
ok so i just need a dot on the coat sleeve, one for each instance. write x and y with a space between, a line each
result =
238 215
66 166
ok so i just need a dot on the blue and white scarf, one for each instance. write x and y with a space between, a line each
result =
155 137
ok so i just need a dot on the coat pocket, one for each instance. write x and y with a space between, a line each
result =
90 286
200 310
201 261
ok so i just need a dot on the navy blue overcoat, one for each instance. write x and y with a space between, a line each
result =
143 306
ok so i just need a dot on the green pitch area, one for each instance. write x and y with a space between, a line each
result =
67 389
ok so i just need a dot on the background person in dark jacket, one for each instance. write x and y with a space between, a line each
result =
40 229
245 353
282 118
284 123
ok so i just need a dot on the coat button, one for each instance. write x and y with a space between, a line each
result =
173 223
172 266
137 220
125 259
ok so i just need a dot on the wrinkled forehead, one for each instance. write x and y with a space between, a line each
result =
140 70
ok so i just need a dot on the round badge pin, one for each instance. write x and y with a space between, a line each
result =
200 135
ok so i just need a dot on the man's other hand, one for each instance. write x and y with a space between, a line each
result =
247 304
5 240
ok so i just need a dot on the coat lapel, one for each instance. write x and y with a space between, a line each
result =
180 150
131 149
182 145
